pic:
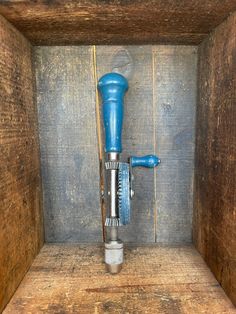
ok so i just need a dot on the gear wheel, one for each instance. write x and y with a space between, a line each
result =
124 193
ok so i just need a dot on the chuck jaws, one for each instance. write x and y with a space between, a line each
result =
118 175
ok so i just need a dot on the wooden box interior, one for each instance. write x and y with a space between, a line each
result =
180 59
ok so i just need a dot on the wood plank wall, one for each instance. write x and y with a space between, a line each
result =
175 89
159 118
69 148
215 180
21 226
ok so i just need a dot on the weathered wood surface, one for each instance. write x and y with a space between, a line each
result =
72 279
159 117
116 22
69 151
137 138
21 228
174 91
215 180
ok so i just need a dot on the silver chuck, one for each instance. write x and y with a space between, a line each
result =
114 251
114 256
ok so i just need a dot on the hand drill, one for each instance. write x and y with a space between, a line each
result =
118 175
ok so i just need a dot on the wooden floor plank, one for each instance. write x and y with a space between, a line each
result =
154 279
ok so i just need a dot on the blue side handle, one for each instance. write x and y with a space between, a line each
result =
148 161
112 87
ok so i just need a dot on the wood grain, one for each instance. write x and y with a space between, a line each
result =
174 88
21 227
69 151
159 116
72 279
116 22
215 168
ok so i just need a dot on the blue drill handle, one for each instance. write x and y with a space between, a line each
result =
148 161
112 87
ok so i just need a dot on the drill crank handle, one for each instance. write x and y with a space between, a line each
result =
148 161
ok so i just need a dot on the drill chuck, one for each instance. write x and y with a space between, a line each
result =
114 256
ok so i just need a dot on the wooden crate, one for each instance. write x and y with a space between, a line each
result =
180 60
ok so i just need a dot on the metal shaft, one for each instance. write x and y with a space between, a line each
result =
113 212
113 196
113 246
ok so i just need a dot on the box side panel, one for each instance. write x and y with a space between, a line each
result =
21 225
215 177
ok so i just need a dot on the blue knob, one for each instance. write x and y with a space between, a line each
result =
148 161
112 87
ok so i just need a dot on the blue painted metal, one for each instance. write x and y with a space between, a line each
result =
124 194
112 87
148 161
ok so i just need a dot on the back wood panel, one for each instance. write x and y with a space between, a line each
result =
69 152
175 76
21 225
159 114
215 179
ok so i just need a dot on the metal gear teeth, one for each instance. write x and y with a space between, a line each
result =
112 222
109 165
123 195
119 190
